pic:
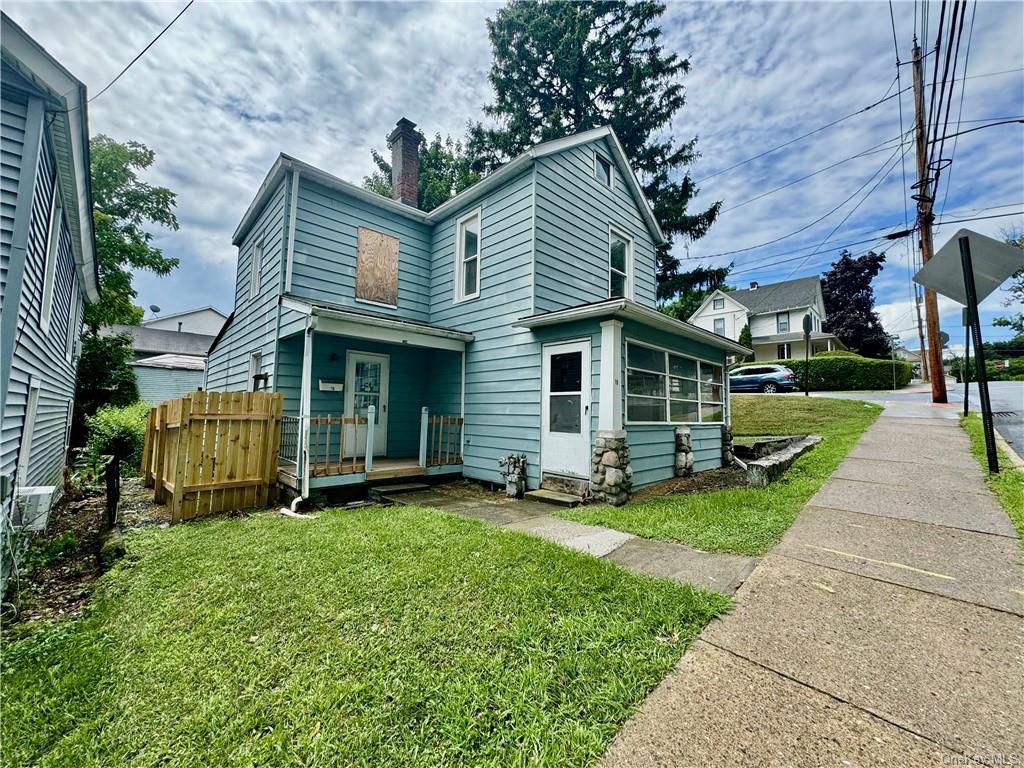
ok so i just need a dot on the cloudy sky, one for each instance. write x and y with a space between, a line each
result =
234 83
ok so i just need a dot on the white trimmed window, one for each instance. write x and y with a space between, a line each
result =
718 304
74 311
665 388
782 322
255 269
783 351
620 265
603 169
720 326
255 368
467 257
52 251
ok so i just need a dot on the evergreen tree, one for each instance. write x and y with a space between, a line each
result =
445 170
747 340
560 68
850 304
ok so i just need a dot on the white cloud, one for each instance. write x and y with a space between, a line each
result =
233 84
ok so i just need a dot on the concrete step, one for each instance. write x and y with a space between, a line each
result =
574 486
555 497
381 491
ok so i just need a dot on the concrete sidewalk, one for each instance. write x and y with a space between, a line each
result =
887 628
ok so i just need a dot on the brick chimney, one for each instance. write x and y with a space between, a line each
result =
753 285
405 162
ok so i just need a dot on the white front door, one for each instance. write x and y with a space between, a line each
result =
565 409
366 383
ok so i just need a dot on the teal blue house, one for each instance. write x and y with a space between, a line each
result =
517 318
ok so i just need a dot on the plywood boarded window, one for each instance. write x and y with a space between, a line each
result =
377 267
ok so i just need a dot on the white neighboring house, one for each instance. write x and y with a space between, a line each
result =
205 320
775 313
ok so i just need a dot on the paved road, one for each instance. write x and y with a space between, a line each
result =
883 630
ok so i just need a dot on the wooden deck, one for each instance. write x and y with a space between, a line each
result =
383 469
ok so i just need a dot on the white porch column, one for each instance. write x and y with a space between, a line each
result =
306 400
609 415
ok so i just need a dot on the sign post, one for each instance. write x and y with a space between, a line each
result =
979 354
966 370
807 355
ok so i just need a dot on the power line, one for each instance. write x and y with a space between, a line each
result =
840 120
982 127
960 113
952 55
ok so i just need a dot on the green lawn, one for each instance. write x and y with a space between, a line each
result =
749 520
1008 485
383 637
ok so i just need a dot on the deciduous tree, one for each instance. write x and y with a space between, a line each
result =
123 206
850 303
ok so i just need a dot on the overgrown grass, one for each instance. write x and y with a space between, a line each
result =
749 521
1008 485
397 637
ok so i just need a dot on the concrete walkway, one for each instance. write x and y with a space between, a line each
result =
721 572
887 628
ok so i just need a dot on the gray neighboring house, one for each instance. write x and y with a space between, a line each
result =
203 320
775 314
167 363
48 271
163 377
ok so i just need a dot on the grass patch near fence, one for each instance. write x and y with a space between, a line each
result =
383 637
1008 485
749 521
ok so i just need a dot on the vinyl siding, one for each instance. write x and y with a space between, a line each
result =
503 362
38 355
254 325
159 384
13 112
324 266
574 213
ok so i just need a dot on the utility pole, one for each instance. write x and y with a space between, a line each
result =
924 222
921 349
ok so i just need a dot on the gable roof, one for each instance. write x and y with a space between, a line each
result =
66 99
718 293
159 341
185 312
775 297
178 362
507 172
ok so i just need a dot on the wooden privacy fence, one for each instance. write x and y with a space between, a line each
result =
211 452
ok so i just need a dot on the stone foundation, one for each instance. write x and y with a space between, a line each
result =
684 452
727 452
611 477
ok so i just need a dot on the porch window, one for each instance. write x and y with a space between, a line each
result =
782 352
782 322
620 258
467 257
666 388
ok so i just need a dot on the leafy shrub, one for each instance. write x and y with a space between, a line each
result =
118 431
1013 372
849 371
837 353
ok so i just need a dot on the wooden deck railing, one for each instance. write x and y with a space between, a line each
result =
209 452
440 439
336 445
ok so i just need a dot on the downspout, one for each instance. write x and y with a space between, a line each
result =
305 409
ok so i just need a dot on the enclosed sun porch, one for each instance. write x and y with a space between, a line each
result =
367 398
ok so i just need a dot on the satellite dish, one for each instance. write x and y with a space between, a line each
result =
154 308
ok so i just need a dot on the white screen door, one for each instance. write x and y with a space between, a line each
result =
366 383
565 409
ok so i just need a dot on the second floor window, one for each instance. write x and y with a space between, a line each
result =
718 304
720 326
255 268
467 257
782 322
620 256
52 254
603 170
